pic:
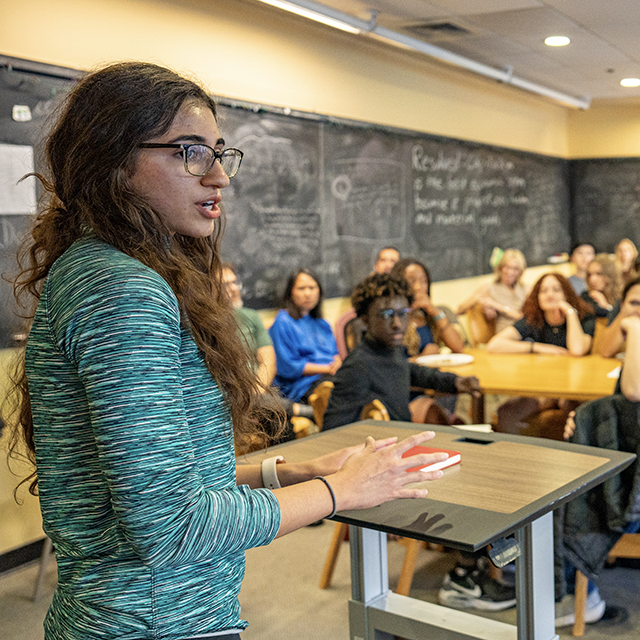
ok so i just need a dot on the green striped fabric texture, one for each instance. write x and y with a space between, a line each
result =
135 458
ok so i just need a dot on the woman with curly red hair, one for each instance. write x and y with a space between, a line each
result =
556 321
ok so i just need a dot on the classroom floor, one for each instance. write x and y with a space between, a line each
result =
281 599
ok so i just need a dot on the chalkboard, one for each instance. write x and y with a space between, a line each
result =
28 94
328 195
606 201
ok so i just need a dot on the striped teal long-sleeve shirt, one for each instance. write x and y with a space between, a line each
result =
135 458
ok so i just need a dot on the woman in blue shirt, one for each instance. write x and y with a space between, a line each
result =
306 349
136 381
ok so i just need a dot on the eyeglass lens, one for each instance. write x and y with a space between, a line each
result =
199 159
387 314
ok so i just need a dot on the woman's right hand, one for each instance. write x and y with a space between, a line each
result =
372 476
599 298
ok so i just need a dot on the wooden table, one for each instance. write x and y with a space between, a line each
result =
533 375
504 485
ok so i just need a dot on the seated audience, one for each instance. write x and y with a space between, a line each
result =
602 288
386 260
556 321
306 351
589 526
259 342
581 256
255 335
378 367
612 338
435 327
626 254
502 300
347 322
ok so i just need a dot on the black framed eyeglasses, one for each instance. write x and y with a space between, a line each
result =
199 158
387 314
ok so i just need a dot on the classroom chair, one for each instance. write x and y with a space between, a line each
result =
319 400
628 546
601 324
481 330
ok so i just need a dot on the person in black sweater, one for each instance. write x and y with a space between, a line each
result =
378 367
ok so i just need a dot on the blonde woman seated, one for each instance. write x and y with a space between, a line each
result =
603 288
626 254
556 321
501 300
435 327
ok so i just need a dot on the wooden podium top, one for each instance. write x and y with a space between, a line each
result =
502 482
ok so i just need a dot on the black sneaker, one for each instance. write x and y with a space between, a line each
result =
464 588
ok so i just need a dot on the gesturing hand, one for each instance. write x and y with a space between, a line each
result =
375 475
470 384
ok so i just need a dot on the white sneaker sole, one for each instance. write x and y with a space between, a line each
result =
590 615
458 600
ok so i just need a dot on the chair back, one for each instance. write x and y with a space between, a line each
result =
319 400
353 332
481 329
375 410
601 325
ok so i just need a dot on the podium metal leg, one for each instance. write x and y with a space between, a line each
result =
534 581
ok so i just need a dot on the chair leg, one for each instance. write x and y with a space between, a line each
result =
408 566
47 550
339 535
581 602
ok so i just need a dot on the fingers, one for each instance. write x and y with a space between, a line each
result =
413 493
386 442
423 476
422 460
413 441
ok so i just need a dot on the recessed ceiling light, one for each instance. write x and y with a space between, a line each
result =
557 41
630 82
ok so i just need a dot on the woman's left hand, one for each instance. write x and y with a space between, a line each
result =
331 462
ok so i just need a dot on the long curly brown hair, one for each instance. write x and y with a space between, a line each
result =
534 314
90 155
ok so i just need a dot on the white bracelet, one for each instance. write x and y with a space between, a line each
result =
269 474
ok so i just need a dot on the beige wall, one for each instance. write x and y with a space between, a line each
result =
607 130
245 50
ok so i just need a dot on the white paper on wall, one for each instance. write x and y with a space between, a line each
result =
16 197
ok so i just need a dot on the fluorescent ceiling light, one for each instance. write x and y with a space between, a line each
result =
630 82
557 41
312 14
339 20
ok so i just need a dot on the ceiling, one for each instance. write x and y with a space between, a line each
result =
605 40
